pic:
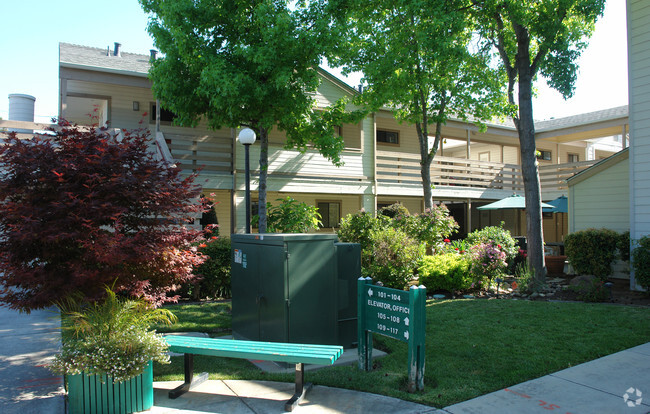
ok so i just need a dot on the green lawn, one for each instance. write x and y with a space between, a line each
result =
473 347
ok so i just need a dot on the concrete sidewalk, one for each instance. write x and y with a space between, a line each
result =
598 386
27 342
617 383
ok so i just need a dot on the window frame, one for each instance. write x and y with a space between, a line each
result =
389 131
152 115
340 206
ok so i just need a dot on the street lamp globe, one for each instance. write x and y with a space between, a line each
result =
246 136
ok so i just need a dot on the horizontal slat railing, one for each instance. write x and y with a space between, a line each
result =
211 154
393 167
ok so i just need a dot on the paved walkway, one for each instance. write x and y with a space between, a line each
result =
618 383
27 342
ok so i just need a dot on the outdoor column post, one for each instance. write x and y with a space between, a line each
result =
365 337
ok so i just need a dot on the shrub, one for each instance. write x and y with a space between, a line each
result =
447 271
496 235
430 227
85 208
394 210
214 273
358 227
392 258
488 260
592 251
623 245
415 231
641 262
290 216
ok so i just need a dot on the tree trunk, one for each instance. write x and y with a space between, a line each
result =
425 166
264 172
529 167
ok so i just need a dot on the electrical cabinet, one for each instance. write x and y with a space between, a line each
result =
289 288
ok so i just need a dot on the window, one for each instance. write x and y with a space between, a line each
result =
388 137
166 116
544 155
255 211
573 158
338 131
330 213
484 156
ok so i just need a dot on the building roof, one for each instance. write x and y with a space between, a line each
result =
581 119
102 60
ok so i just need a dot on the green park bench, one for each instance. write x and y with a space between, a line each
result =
298 354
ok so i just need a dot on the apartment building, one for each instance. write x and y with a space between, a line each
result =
381 155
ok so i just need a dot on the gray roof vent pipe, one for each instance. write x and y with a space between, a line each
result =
118 50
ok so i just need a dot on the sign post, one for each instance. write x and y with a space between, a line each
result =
397 314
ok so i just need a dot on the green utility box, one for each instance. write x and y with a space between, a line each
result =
298 288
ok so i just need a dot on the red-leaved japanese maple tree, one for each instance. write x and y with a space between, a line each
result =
85 208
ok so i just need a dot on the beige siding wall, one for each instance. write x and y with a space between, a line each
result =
601 201
408 137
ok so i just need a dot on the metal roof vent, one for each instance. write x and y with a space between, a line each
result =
118 50
153 54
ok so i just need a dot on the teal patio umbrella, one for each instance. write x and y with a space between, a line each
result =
560 205
513 202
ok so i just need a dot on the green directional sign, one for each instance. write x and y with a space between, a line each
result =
397 314
387 312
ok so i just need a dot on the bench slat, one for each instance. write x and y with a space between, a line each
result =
269 351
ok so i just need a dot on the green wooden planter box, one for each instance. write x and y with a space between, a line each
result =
87 395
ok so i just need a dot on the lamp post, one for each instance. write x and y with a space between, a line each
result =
247 137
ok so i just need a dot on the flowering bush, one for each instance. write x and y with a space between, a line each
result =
488 262
456 247
496 235
111 337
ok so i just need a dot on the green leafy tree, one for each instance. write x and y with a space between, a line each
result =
419 59
532 38
247 63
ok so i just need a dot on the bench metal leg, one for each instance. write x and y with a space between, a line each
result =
190 381
301 388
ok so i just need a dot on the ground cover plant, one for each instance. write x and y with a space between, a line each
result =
473 347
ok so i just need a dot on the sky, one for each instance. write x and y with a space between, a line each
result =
32 29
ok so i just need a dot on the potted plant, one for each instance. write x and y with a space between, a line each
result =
107 353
